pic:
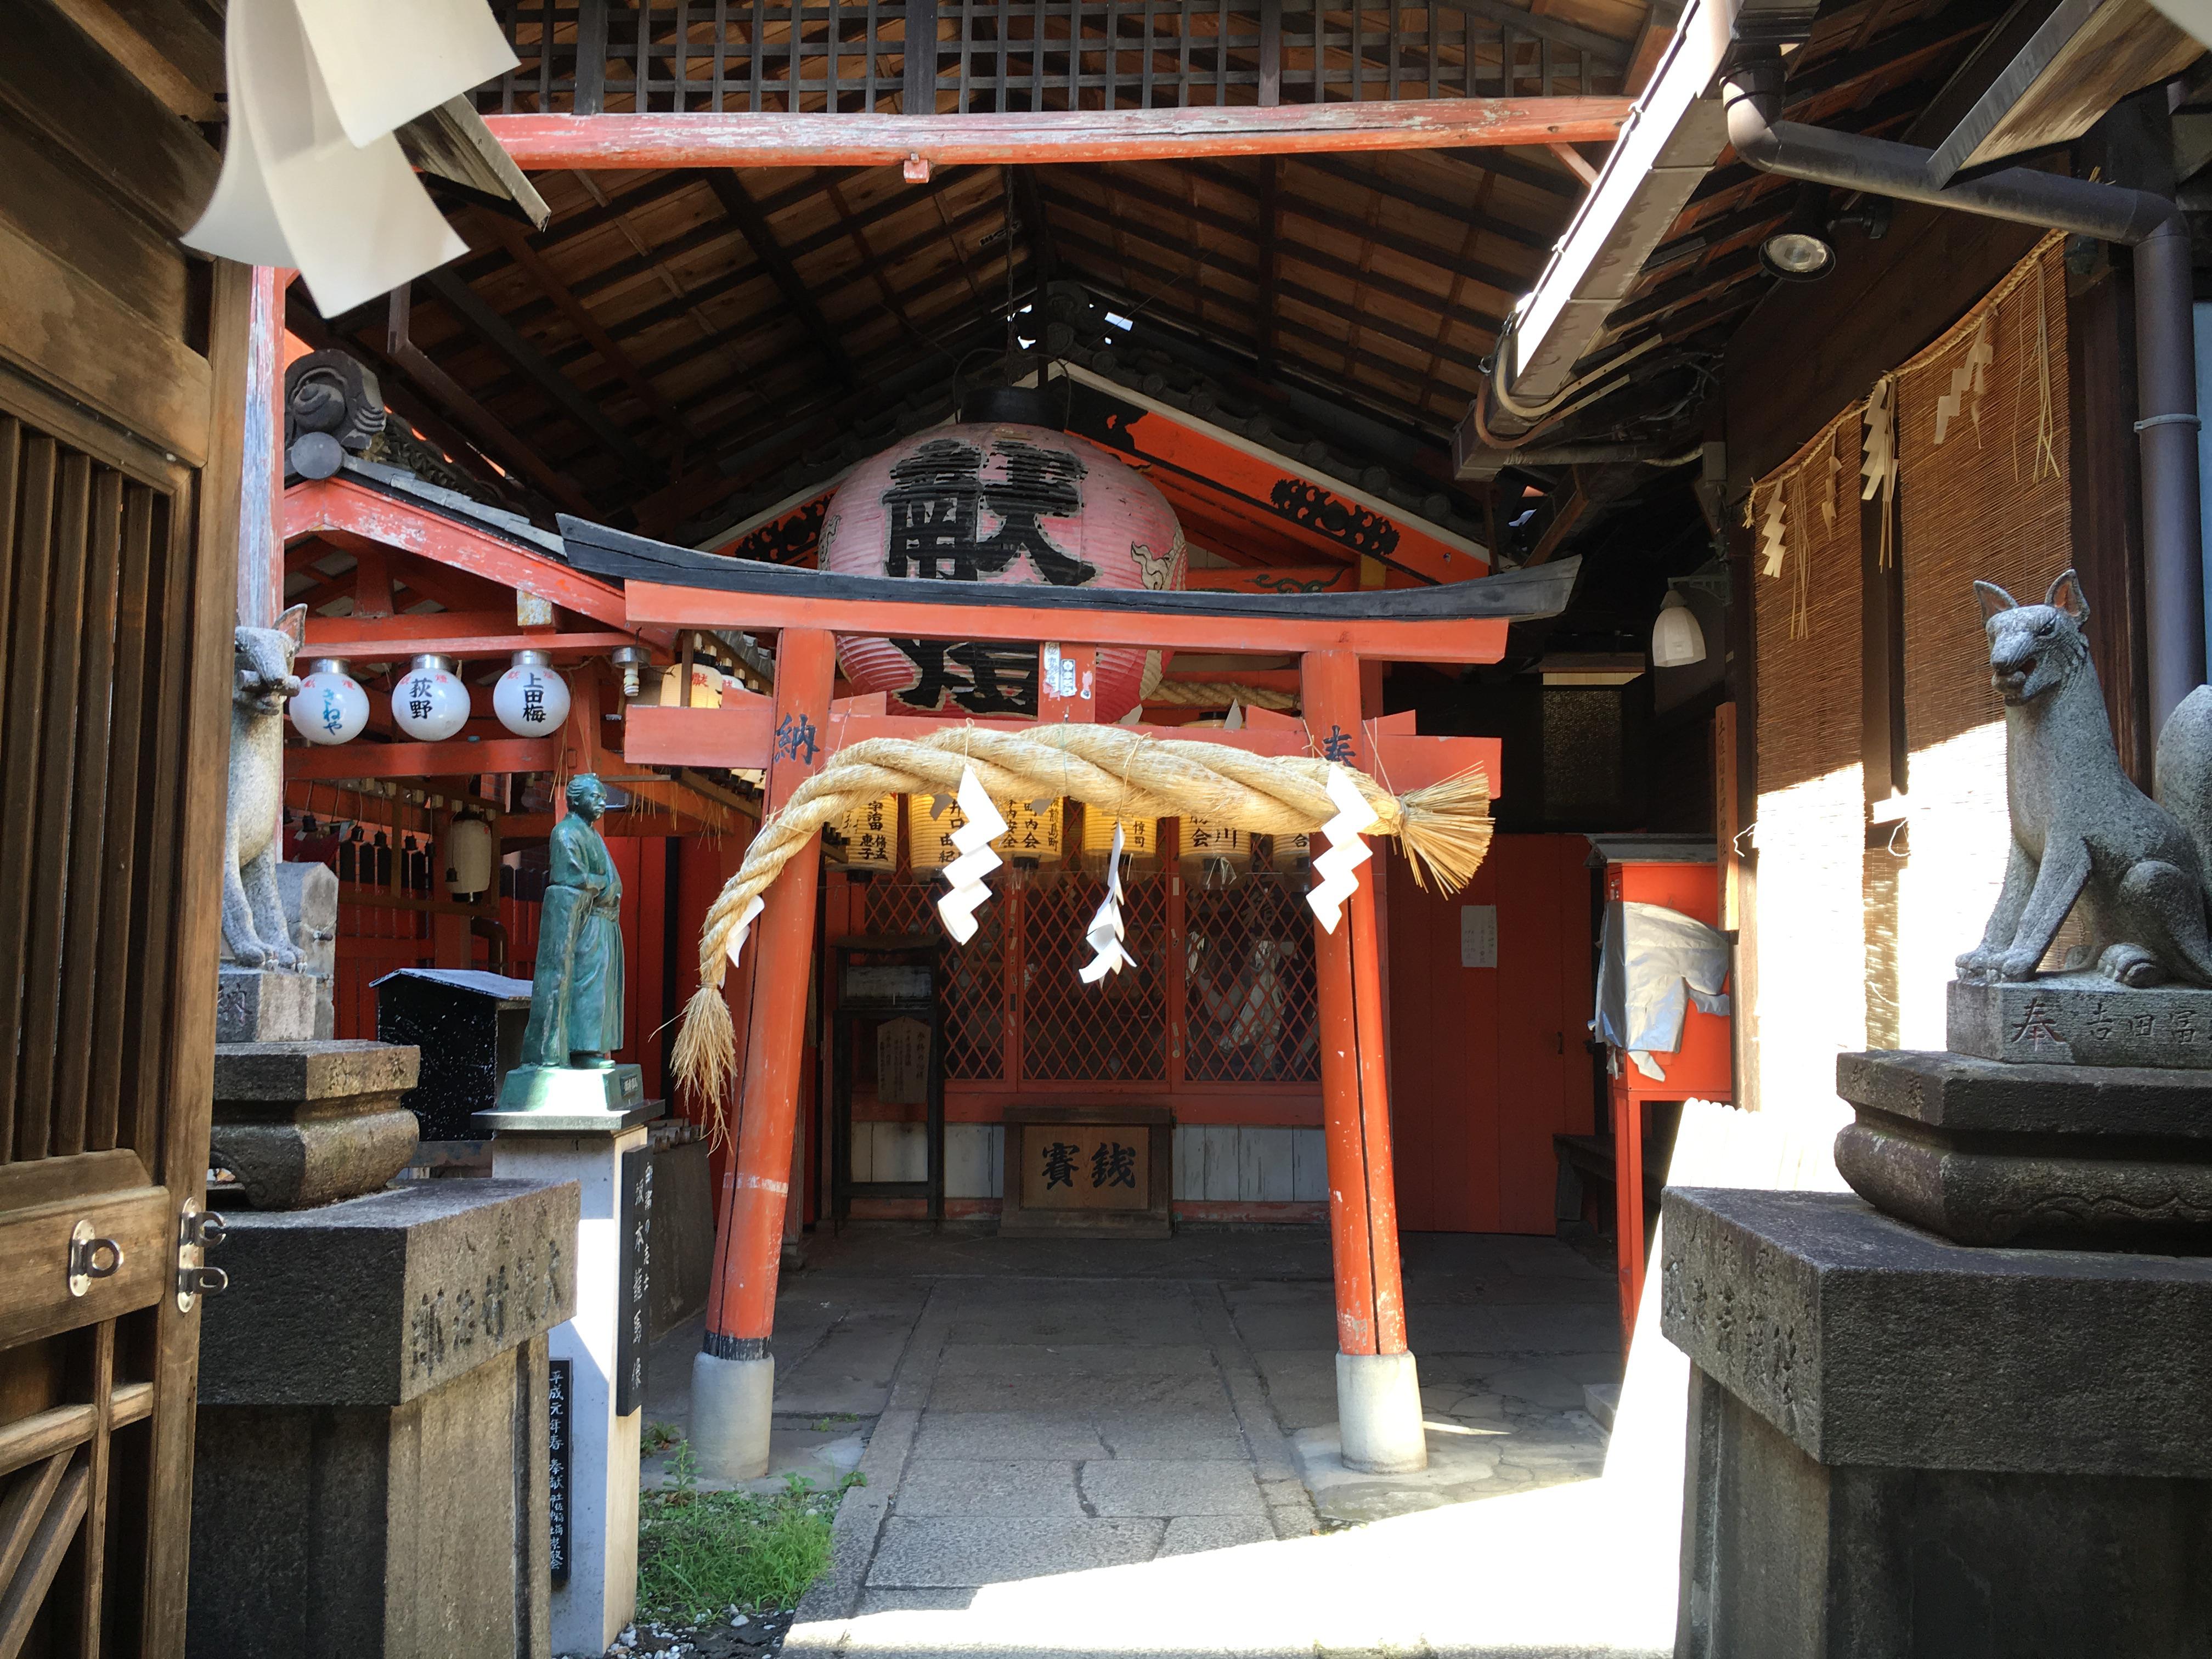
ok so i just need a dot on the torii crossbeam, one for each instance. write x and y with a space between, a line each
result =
793 735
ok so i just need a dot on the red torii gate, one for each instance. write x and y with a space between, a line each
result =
1378 1388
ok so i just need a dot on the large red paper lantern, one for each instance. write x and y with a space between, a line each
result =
993 501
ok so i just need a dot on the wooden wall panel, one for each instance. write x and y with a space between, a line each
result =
1487 1064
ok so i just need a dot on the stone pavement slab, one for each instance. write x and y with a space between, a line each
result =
940 1552
1167 1487
1031 1434
967 1486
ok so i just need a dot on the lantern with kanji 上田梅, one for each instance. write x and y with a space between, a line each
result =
1004 503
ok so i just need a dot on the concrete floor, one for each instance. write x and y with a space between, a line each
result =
1083 1446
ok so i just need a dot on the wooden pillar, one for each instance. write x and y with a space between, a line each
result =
748 1248
261 472
1371 1315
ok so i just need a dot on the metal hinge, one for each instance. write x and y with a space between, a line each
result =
90 1258
195 1230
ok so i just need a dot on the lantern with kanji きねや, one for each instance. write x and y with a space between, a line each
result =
330 706
994 501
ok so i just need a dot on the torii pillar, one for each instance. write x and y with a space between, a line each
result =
1378 1391
733 1377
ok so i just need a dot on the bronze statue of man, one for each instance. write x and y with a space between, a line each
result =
576 993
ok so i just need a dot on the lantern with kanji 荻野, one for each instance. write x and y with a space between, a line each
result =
1007 504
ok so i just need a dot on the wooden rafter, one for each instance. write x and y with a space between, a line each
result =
478 315
752 224
516 240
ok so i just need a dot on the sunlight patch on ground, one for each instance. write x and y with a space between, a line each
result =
1564 1570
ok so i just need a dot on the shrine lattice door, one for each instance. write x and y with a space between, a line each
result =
122 385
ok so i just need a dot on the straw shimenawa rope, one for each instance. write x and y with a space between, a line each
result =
1219 694
1445 829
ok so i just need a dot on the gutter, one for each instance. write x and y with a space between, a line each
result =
2166 353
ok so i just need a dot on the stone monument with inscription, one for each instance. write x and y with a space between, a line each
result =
569 1113
1961 1412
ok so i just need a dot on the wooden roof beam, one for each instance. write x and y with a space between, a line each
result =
1512 284
1343 270
1030 205
412 361
1445 207
1164 280
479 316
517 242
752 224
627 142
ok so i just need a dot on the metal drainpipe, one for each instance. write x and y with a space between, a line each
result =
2166 355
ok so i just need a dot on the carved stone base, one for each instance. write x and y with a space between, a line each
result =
1982 1152
303 1124
266 1005
1898 1446
2081 1019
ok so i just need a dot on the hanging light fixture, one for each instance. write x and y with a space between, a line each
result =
430 702
632 659
1802 249
1676 639
330 706
530 699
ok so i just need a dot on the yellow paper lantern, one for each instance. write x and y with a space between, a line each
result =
706 685
1214 853
929 832
870 832
1140 841
1032 837
1293 854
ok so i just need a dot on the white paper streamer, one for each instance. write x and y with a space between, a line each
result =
1346 851
976 860
1105 934
736 947
298 188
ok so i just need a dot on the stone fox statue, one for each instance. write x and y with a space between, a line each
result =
2081 831
253 931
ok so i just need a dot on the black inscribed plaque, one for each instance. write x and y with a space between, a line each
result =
633 1296
560 1375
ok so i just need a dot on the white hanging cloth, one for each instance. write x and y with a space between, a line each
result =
311 175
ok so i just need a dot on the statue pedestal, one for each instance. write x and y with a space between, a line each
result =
1898 1445
306 1123
577 1132
571 1098
372 1471
1981 1151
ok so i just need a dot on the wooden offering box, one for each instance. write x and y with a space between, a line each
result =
1089 1172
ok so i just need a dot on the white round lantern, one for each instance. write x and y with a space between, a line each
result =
531 699
430 702
331 708
468 857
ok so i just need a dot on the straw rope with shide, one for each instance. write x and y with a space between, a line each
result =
1445 829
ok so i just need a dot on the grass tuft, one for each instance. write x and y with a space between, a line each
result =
701 1554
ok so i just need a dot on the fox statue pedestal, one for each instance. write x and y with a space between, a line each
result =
1962 1411
1901 1446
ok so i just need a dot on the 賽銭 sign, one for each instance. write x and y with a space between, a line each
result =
1085 1166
